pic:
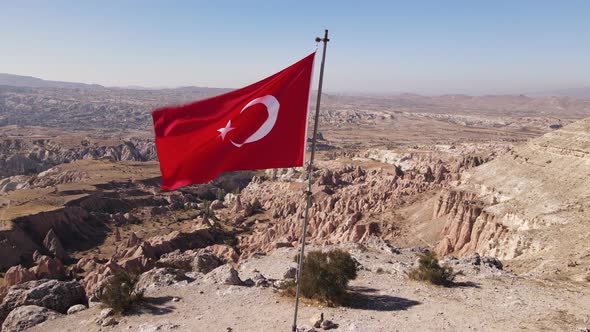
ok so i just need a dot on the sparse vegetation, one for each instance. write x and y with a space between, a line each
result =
207 211
325 276
220 194
119 292
429 270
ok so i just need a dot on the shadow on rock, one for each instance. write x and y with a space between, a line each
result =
364 299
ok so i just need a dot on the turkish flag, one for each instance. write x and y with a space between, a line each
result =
260 126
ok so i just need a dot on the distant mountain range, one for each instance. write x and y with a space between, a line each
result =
34 82
574 93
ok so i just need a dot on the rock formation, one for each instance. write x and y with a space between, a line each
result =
50 294
53 245
528 202
25 317
347 201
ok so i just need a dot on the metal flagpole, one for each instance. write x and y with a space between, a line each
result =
309 177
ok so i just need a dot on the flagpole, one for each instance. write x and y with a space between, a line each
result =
325 40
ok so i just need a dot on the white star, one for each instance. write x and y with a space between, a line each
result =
225 129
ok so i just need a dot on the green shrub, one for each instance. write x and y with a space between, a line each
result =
429 270
325 276
119 292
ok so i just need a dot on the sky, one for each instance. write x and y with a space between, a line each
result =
380 47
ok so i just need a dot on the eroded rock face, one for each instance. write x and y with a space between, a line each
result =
52 294
25 317
17 275
468 227
531 203
20 157
71 223
344 200
49 268
53 245
138 256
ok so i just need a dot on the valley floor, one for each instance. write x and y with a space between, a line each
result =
382 299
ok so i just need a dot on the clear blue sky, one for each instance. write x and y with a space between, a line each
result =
377 46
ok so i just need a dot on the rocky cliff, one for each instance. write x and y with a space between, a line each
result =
532 201
26 157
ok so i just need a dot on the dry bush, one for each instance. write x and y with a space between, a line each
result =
325 276
119 292
429 270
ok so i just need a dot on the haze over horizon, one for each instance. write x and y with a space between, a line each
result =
425 47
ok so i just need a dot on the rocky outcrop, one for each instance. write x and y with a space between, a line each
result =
15 245
17 275
52 294
225 275
160 277
45 268
138 256
25 317
23 157
70 226
95 281
346 203
49 268
468 228
530 203
53 245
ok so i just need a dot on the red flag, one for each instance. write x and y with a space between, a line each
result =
256 127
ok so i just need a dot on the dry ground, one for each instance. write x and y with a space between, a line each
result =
484 301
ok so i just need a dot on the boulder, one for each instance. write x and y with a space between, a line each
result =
25 317
261 281
17 275
53 245
52 294
291 273
76 308
177 260
226 275
492 262
160 277
216 205
474 259
328 325
205 262
317 319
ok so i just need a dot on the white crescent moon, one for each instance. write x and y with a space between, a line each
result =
272 107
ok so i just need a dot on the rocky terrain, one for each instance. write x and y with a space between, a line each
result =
381 299
531 204
504 177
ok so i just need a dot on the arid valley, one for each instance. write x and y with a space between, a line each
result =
498 186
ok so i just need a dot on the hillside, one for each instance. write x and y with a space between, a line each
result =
531 205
